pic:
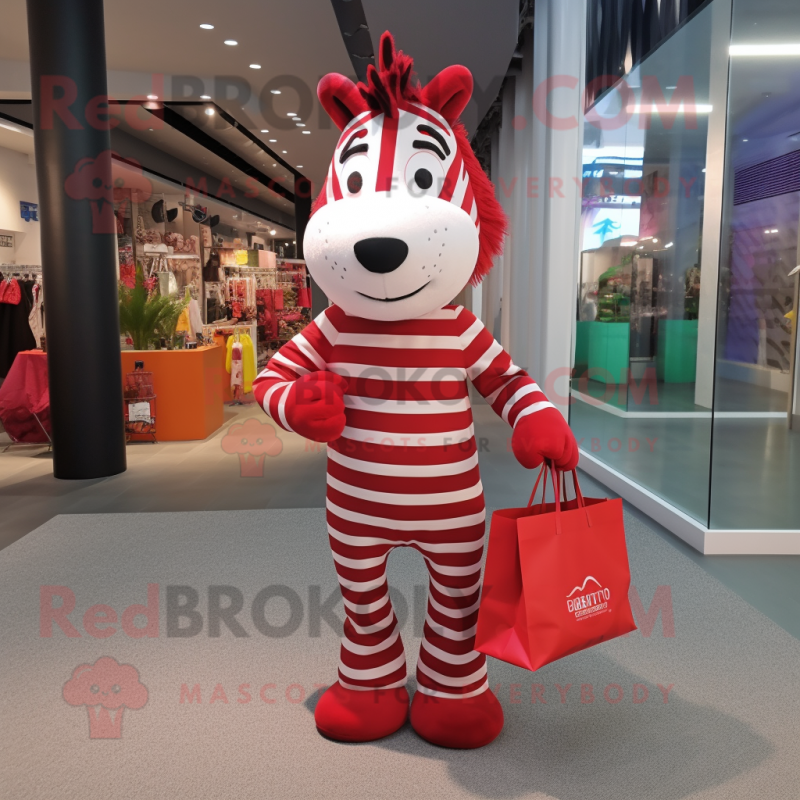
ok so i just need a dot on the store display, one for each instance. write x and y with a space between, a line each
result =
390 334
16 305
10 293
140 404
240 361
25 400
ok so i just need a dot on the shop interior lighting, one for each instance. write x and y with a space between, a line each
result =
264 130
765 49
745 140
272 232
152 97
284 151
206 26
275 91
299 166
306 132
231 42
668 244
300 124
292 114
205 96
210 112
273 142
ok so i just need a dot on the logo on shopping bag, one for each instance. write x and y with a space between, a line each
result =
589 603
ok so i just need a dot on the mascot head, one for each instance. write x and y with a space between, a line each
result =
406 217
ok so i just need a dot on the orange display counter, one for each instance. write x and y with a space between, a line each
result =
191 387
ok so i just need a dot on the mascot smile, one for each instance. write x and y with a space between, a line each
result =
406 218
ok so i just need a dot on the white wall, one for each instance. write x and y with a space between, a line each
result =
18 183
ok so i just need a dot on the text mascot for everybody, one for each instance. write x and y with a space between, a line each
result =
405 219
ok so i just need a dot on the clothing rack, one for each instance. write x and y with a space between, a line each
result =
15 270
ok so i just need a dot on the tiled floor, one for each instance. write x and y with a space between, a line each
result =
202 476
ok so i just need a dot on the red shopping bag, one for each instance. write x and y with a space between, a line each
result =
556 578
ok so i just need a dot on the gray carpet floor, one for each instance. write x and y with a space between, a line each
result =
727 730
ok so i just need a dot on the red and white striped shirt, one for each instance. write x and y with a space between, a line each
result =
407 458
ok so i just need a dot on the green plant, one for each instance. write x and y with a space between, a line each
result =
140 312
168 322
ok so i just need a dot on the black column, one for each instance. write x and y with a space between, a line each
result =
302 211
73 168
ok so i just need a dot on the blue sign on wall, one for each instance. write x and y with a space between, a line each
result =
29 211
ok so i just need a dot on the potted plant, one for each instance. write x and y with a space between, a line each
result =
144 315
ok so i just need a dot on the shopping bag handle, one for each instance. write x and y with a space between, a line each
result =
578 495
546 465
536 485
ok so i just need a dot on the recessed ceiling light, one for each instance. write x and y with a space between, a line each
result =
299 166
273 140
210 112
284 151
305 132
205 96
152 97
745 140
300 124
273 232
264 130
275 91
274 165
206 26
292 114
255 66
231 42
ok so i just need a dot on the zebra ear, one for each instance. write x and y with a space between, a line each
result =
449 92
341 99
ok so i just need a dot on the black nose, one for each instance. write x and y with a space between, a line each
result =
381 255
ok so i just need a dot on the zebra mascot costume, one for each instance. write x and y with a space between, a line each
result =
405 219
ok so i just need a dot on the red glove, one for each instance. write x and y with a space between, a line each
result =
545 435
315 406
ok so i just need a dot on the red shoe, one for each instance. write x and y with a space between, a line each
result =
461 724
348 715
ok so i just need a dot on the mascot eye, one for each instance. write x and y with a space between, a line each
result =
354 182
424 174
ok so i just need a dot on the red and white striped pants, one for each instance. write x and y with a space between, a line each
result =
372 655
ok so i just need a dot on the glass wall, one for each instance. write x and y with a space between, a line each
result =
686 356
634 388
756 455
